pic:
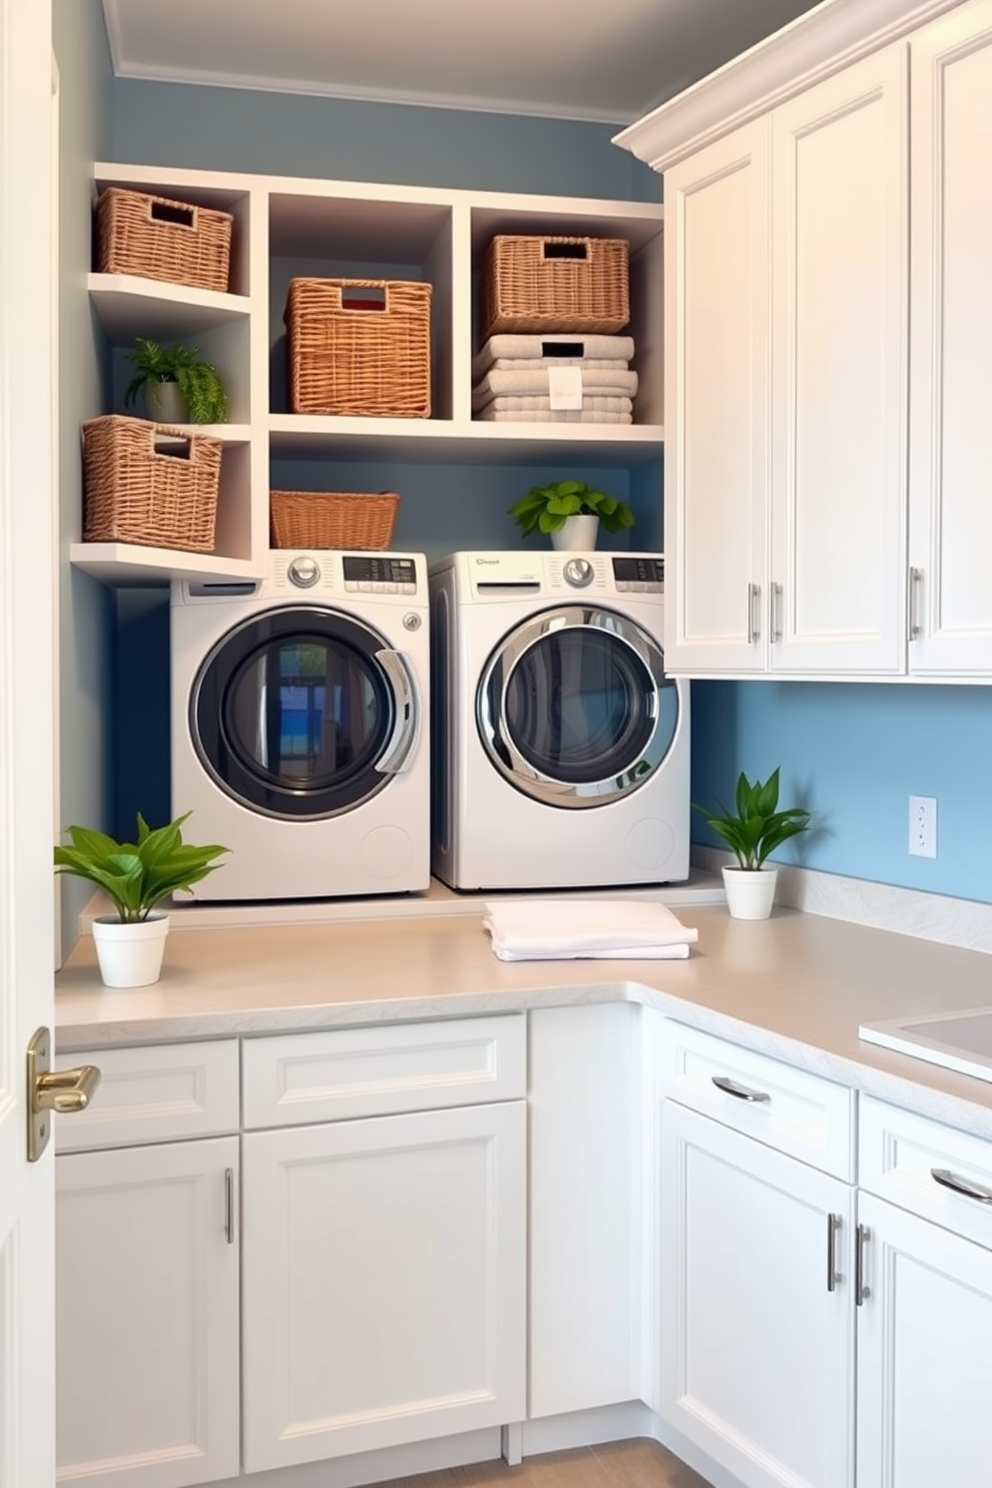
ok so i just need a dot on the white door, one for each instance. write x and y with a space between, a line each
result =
717 347
756 1306
924 1364
27 1411
950 530
840 236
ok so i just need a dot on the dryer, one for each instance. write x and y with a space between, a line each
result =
300 736
561 747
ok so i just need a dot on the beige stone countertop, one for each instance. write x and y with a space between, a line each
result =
795 986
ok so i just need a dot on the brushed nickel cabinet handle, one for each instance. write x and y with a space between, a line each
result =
834 1222
229 1204
753 601
861 1291
915 590
966 1186
775 617
742 1092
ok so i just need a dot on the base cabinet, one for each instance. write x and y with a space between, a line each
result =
757 1352
147 1315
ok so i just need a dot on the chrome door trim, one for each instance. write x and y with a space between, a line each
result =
494 731
400 744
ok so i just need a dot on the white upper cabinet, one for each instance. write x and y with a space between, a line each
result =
950 551
786 313
829 325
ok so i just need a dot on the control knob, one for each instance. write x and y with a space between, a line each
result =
304 572
579 572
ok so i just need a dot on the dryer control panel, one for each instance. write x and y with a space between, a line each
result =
640 575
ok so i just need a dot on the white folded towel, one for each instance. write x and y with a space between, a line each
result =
537 383
595 929
533 347
494 414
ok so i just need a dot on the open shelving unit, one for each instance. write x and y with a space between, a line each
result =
284 227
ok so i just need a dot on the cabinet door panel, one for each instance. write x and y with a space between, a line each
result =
716 379
840 192
951 369
757 1355
384 1281
147 1316
924 1363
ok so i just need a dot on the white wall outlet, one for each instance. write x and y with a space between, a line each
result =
923 826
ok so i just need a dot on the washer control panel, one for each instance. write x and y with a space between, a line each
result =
369 574
640 575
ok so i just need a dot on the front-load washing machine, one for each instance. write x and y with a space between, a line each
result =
561 748
300 734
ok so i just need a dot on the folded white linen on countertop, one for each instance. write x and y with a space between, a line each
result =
595 929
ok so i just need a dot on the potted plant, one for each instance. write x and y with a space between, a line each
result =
570 512
137 875
753 830
178 386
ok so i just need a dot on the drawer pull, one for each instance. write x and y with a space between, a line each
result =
965 1186
742 1092
753 599
861 1291
229 1204
834 1222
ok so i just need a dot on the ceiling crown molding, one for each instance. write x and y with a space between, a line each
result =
835 34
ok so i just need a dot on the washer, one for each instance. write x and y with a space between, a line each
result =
561 748
300 735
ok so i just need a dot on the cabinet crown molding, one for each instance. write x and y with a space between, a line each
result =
831 36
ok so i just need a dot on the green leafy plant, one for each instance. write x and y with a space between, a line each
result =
199 381
545 508
137 875
756 827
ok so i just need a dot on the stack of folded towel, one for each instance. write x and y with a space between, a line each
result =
603 930
560 378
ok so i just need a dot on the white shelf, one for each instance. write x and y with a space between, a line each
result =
127 565
123 301
419 441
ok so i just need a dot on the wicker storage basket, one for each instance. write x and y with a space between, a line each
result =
163 239
359 346
148 483
332 519
554 284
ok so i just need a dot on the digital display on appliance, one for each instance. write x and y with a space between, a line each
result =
370 569
639 570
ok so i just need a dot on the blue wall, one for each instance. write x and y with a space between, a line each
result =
851 753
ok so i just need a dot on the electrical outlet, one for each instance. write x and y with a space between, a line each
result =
923 826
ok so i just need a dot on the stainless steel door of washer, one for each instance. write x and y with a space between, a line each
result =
574 708
303 712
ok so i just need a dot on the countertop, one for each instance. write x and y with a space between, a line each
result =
796 986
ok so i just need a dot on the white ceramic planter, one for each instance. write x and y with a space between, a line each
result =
130 955
578 535
750 892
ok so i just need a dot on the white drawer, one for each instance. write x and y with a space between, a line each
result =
897 1154
792 1110
305 1077
157 1094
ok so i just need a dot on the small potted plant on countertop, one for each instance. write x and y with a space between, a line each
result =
137 876
177 384
570 512
754 830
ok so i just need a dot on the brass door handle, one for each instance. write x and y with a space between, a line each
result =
66 1090
53 1090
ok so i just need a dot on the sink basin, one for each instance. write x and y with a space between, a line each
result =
958 1041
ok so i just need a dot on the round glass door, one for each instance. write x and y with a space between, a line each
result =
574 707
301 713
